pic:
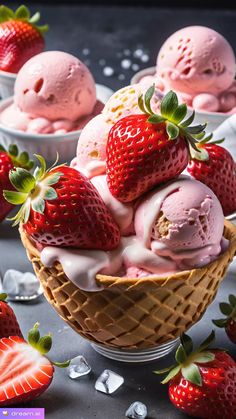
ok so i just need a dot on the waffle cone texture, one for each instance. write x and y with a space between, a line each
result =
131 313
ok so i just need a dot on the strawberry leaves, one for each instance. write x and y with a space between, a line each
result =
229 310
187 360
31 190
22 13
173 115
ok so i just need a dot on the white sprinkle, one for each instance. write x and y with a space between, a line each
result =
127 52
138 53
108 71
135 67
87 62
126 63
145 58
102 62
121 77
86 51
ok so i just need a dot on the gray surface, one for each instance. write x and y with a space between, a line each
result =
106 31
78 399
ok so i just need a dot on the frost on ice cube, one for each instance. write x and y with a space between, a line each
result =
108 382
137 410
78 367
16 283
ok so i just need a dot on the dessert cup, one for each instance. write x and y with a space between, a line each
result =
47 145
7 81
130 319
213 119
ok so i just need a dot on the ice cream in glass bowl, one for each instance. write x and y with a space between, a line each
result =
130 252
54 97
198 63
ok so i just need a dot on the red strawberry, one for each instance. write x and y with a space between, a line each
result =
229 322
218 172
20 38
146 150
8 323
25 372
69 214
7 161
203 384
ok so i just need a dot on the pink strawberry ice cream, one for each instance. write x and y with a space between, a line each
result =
199 64
54 93
173 228
182 221
91 150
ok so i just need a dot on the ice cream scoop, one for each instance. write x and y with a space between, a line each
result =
124 102
182 221
53 92
91 150
199 64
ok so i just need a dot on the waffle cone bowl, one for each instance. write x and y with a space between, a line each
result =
133 314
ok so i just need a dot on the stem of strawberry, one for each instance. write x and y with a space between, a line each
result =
173 114
18 159
22 13
3 296
43 344
187 360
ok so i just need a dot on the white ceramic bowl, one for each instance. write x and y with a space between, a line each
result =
7 81
213 119
48 145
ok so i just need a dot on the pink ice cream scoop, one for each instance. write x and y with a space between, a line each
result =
55 85
54 93
182 221
91 149
196 59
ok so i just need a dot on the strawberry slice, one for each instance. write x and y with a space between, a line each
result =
25 372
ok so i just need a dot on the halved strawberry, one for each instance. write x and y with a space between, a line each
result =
203 383
20 37
144 151
61 207
25 372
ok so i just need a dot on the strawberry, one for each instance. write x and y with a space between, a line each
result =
61 207
146 150
218 172
8 160
229 322
8 322
26 372
203 384
20 38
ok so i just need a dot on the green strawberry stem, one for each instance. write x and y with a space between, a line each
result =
43 344
31 191
3 296
229 310
18 159
173 114
187 360
22 13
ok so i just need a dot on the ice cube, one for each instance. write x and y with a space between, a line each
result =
11 281
108 382
137 410
78 367
19 285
